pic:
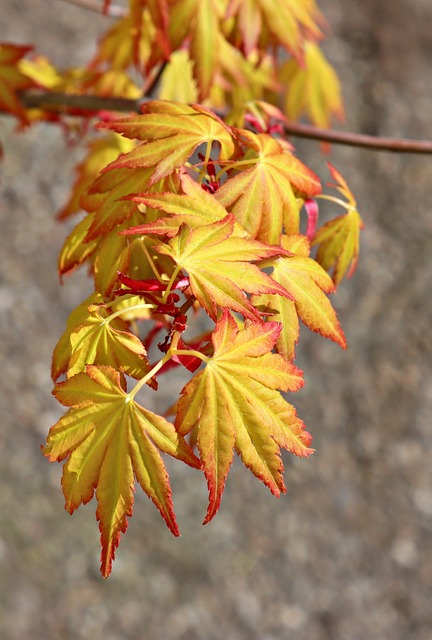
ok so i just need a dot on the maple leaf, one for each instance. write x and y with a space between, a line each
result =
263 197
308 284
101 151
62 350
219 266
105 198
12 79
286 21
312 88
76 250
79 317
198 21
124 44
105 341
179 66
195 207
108 254
240 81
171 132
109 441
339 238
235 402
111 253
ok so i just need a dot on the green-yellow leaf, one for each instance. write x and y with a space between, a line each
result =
339 239
235 403
219 266
101 151
263 197
105 198
195 207
170 132
12 79
99 340
110 441
313 88
308 284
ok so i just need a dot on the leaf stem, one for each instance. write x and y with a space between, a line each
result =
342 203
190 352
234 165
151 263
170 283
144 305
153 371
203 171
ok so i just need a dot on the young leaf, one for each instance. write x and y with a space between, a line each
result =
101 151
307 283
103 341
179 66
12 79
286 21
262 197
109 441
62 351
195 207
219 269
339 238
198 21
171 132
312 88
106 199
235 402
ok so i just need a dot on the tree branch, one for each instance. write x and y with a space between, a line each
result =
348 138
72 104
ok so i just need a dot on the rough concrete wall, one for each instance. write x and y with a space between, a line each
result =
347 553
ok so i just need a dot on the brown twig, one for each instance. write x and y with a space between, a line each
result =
114 11
397 145
56 102
66 103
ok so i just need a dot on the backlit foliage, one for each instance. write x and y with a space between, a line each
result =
196 204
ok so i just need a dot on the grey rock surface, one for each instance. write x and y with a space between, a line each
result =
347 553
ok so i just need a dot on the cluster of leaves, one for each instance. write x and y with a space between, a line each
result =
187 212
228 54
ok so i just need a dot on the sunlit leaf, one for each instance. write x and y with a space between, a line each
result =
100 340
308 284
110 441
12 79
235 403
171 132
263 197
219 266
312 88
279 22
338 240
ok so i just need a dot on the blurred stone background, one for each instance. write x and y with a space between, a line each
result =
347 553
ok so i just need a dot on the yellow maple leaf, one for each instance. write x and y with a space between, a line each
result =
235 403
339 239
312 88
219 266
12 79
110 441
308 284
263 197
